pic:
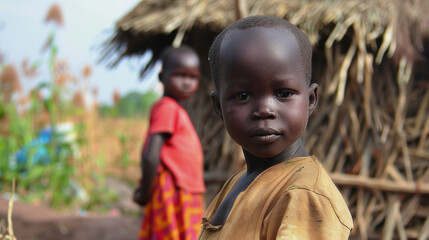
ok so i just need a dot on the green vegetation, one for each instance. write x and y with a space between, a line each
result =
40 148
38 154
45 134
134 104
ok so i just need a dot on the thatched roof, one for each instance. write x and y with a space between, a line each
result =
154 24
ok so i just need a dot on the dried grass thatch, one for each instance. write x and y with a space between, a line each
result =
371 128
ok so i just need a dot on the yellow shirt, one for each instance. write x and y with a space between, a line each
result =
292 200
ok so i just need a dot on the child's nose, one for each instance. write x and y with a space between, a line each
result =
187 81
264 109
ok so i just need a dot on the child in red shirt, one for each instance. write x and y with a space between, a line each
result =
172 161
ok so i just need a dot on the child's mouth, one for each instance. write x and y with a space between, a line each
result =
187 92
266 138
265 135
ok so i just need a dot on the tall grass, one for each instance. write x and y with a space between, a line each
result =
46 166
58 172
42 168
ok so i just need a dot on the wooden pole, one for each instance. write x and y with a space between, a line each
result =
379 184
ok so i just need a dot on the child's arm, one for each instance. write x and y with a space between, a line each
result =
149 165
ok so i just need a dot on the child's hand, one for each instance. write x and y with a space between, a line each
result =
140 196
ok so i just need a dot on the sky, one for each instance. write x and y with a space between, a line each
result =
87 24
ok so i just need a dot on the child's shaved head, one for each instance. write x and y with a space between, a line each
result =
169 56
304 45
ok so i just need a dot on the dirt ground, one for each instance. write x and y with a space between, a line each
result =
32 222
37 223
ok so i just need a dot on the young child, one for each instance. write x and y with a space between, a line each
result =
172 161
261 68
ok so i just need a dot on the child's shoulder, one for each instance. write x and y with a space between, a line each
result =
298 173
307 177
297 176
166 103
306 173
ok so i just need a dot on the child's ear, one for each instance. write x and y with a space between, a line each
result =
216 103
313 97
160 76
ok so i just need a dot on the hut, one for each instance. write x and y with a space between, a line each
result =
371 127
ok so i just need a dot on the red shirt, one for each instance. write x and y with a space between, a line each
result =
181 153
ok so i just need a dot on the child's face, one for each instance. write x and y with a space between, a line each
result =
182 76
264 98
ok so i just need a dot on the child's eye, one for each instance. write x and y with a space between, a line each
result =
284 93
181 75
242 96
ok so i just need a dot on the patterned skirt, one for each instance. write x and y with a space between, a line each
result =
172 213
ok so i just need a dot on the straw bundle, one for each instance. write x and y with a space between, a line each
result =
371 127
7 233
9 82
